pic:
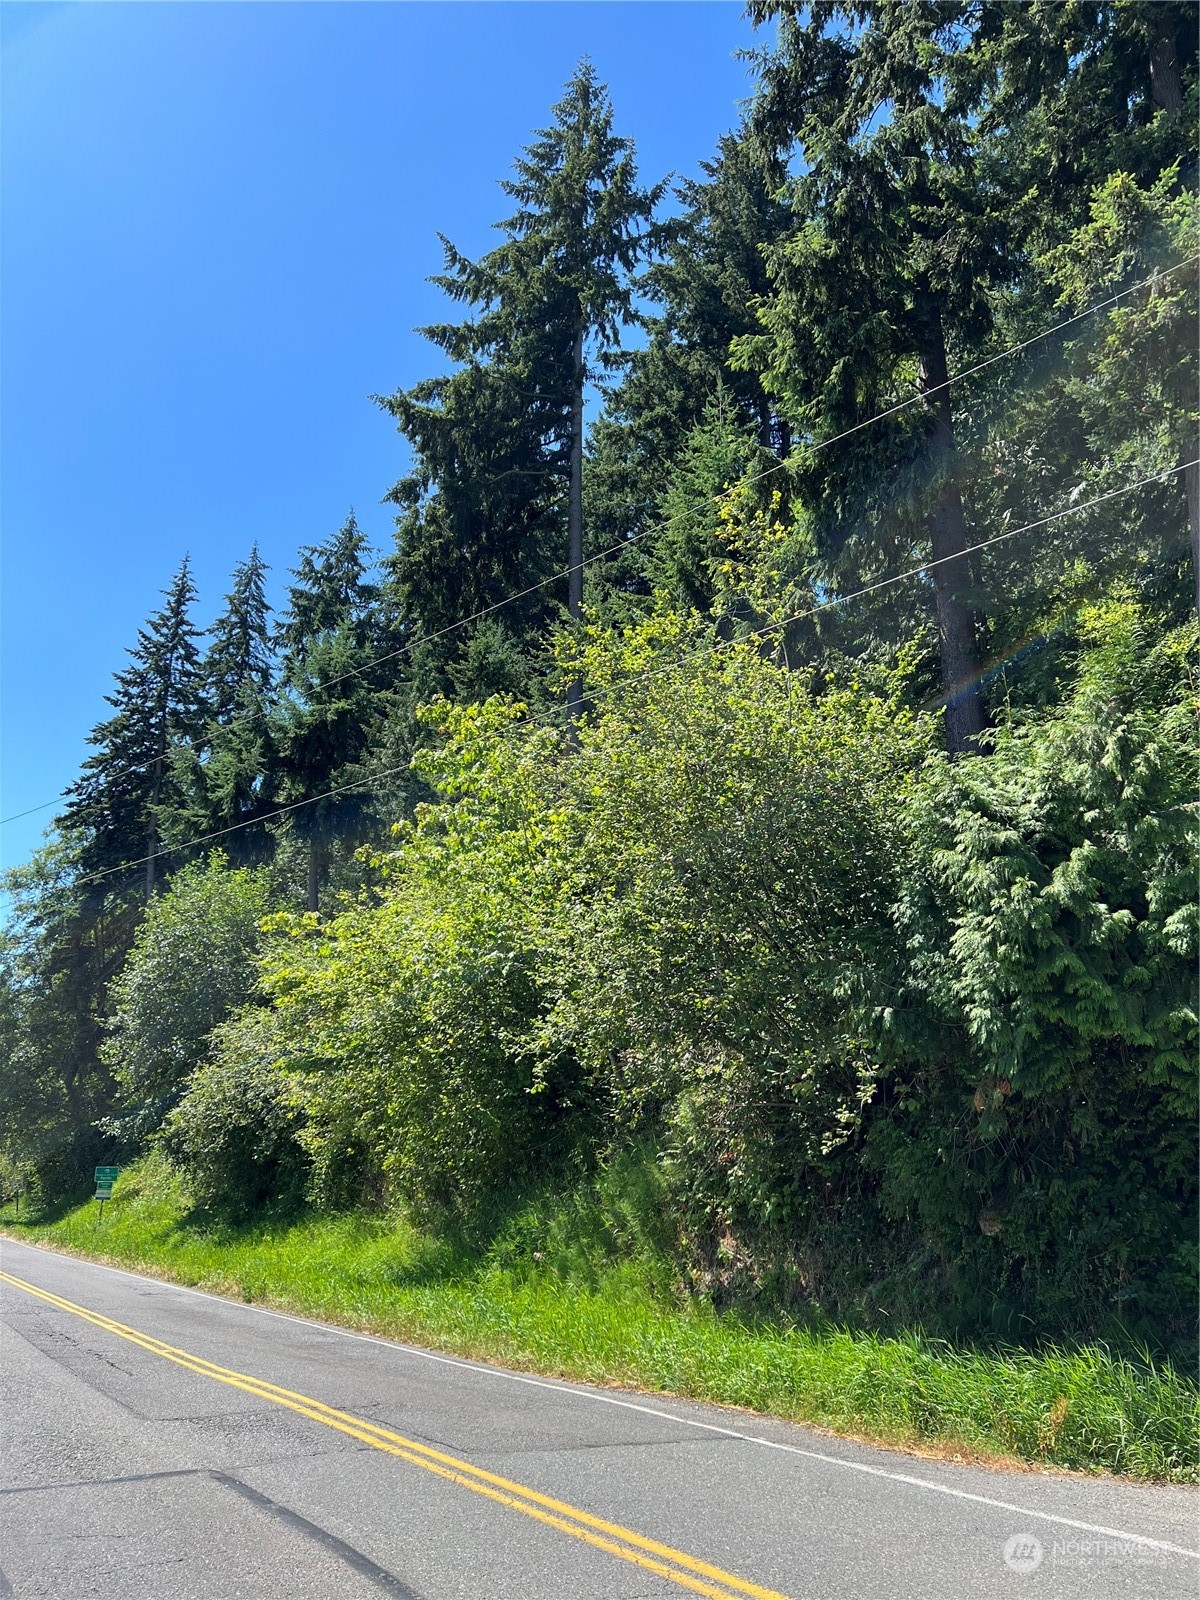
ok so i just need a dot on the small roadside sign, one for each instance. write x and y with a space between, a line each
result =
105 1178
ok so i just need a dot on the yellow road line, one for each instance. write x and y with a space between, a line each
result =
607 1536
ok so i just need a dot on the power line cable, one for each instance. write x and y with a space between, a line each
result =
627 543
645 677
883 583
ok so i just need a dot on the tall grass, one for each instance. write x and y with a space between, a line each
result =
571 1310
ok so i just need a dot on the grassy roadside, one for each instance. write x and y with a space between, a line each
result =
554 1312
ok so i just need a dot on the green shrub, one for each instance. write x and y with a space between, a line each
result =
235 1135
408 1023
192 963
1039 1119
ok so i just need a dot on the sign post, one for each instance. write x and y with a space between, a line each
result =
105 1178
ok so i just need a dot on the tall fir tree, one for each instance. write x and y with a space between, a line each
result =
944 151
64 942
229 772
1073 97
711 273
329 708
128 795
1069 94
238 671
500 443
896 248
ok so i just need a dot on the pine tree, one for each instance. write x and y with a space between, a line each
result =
329 710
128 793
500 442
1069 94
944 150
684 556
64 942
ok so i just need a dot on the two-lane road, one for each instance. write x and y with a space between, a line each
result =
160 1444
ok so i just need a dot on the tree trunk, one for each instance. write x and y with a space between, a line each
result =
1166 92
151 854
575 519
947 525
152 834
1191 484
314 876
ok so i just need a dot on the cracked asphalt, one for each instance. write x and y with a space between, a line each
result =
207 1449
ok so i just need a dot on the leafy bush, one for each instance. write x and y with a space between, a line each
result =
235 1134
910 1039
740 835
407 1021
192 963
1040 1122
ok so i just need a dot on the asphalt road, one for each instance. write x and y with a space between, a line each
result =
160 1444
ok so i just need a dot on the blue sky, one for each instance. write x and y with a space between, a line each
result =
217 223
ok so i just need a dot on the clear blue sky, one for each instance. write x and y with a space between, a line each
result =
217 223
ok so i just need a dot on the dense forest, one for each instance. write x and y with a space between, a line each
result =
766 757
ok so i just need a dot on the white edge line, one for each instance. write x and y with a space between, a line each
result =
580 1392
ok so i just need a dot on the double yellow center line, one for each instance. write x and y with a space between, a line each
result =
611 1537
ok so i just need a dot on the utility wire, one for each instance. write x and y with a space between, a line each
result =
873 588
632 539
657 672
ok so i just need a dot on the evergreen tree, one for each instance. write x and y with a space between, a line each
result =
229 772
896 247
1069 94
947 150
63 944
329 713
499 444
687 550
712 272
128 794
1085 108
238 671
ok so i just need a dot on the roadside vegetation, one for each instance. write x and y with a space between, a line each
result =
764 964
578 1287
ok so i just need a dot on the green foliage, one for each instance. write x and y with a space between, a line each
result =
192 963
704 288
572 1285
1046 1023
229 770
742 992
63 945
128 794
738 834
484 510
235 1133
404 1020
685 560
327 714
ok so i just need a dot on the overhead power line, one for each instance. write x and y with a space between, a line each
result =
872 588
361 784
615 549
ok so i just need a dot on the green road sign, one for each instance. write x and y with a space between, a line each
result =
107 1175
